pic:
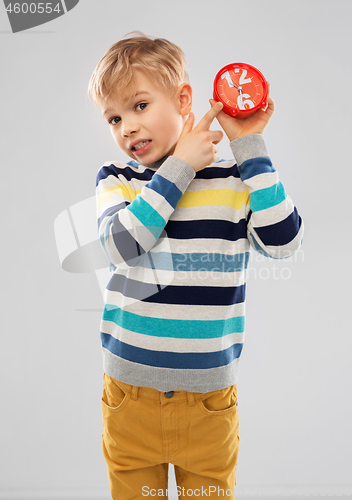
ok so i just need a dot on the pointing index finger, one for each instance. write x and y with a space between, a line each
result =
207 119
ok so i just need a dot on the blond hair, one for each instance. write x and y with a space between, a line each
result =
160 60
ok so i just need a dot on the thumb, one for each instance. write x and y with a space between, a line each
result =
188 126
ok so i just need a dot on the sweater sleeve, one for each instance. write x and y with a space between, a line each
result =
274 227
130 222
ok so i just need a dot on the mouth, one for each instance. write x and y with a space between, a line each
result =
140 147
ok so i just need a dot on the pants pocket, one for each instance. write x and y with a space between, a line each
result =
220 402
114 399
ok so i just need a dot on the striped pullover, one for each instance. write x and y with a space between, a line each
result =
179 242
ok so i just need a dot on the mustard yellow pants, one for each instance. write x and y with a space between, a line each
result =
144 430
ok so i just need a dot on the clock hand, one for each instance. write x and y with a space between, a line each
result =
238 87
234 84
241 96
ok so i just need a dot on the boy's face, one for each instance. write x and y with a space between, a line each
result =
148 126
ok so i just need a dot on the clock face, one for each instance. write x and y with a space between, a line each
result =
241 88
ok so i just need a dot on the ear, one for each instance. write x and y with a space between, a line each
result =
184 93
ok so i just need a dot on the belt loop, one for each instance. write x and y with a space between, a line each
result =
134 394
190 397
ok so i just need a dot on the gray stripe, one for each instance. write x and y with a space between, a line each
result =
248 147
177 171
169 379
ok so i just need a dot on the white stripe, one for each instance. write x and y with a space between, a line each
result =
173 311
109 181
177 278
207 212
263 181
234 183
138 231
158 202
209 246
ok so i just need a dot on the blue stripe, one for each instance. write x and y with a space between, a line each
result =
149 217
173 328
199 295
193 295
131 172
104 172
218 172
132 288
165 359
165 188
255 166
210 262
207 229
133 163
267 198
282 232
127 173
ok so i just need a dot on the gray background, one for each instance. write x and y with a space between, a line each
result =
295 373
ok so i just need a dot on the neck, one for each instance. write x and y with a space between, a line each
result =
156 164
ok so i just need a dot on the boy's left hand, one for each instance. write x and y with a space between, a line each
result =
255 124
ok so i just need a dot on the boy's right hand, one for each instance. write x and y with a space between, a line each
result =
197 146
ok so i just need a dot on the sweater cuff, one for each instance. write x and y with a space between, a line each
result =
248 147
177 171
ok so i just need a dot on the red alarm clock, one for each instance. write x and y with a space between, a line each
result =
241 88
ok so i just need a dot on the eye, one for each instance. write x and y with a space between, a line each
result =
141 106
113 122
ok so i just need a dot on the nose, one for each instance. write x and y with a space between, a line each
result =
129 127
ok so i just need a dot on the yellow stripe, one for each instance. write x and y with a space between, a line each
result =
222 197
121 190
212 197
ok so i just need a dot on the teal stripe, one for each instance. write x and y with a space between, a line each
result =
149 217
176 328
267 198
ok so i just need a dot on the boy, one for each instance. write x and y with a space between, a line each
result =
177 224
